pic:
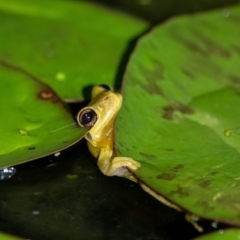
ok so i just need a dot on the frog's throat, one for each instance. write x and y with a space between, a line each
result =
93 150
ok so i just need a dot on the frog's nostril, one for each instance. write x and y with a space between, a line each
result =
87 118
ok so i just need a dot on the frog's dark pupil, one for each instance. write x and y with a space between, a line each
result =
87 117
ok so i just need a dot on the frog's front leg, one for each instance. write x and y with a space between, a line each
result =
116 166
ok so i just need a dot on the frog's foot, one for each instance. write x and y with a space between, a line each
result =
119 166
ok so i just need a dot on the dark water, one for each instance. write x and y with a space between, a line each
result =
155 11
68 198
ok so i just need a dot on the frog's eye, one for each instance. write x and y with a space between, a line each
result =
87 118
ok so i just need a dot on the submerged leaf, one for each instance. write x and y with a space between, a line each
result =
180 116
34 121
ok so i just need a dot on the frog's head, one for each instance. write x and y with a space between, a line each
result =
101 111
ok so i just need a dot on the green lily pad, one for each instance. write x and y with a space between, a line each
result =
34 121
233 234
67 44
180 116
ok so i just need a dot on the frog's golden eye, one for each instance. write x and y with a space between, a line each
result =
87 118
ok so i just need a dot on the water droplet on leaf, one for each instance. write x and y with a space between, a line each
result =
60 76
57 154
228 132
23 132
214 224
221 231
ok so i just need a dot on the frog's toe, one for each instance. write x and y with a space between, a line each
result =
133 165
126 162
120 165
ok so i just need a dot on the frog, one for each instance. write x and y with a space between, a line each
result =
99 116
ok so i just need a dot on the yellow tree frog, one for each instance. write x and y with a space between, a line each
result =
100 114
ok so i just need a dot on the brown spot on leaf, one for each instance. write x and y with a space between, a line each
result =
158 70
31 148
208 46
213 173
205 205
48 94
45 94
120 143
194 47
231 200
178 167
119 152
171 174
188 74
236 49
148 156
153 88
234 79
212 47
181 192
155 74
237 93
167 176
168 111
205 184
188 44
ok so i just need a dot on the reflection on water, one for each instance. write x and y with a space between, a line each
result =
66 197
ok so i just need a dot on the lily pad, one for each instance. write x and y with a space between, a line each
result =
180 116
34 120
233 234
67 44
4 236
